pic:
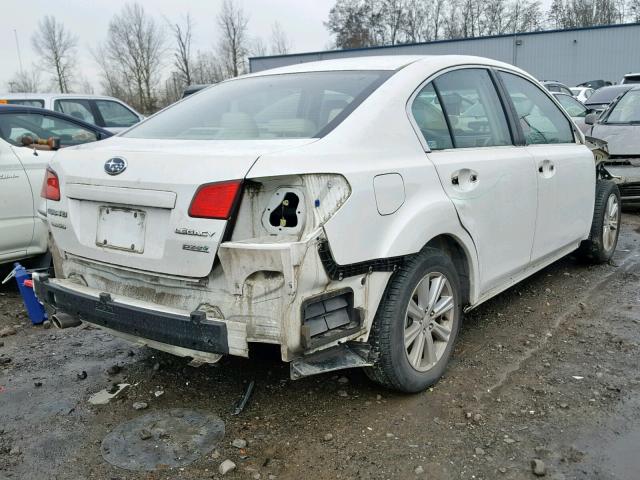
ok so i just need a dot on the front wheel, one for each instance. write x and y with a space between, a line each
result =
417 323
605 227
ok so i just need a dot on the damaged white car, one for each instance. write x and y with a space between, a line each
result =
348 211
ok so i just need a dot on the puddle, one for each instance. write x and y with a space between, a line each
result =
104 396
623 457
163 439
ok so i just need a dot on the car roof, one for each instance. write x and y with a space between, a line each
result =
49 96
25 109
380 62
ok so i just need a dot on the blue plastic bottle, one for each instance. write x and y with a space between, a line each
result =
35 309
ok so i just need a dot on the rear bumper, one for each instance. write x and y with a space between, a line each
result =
193 332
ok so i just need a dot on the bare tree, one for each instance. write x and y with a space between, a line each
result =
57 48
206 68
280 44
25 81
438 14
348 21
85 86
257 48
182 60
232 47
131 57
416 21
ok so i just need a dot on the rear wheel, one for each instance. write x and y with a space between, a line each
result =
605 227
417 323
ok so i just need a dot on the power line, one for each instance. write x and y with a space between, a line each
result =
15 34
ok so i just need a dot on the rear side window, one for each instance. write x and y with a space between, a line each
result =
77 108
472 111
31 102
116 115
14 128
541 120
297 105
429 117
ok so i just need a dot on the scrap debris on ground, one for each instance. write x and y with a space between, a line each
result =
544 383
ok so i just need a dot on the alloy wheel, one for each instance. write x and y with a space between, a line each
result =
610 224
429 321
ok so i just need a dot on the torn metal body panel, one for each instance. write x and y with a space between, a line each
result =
617 152
254 293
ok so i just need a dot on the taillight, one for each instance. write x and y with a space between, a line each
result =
215 200
50 186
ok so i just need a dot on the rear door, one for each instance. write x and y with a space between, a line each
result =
491 182
565 168
16 204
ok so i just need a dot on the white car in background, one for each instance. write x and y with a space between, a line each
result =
348 211
581 93
105 112
27 145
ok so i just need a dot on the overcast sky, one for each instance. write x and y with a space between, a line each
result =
302 20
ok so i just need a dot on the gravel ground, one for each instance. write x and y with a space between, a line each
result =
546 372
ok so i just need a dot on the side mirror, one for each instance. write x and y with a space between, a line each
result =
591 118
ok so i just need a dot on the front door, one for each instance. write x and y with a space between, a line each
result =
491 182
565 169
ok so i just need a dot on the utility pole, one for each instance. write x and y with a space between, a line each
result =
15 34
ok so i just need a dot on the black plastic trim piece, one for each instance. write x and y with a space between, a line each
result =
339 272
194 332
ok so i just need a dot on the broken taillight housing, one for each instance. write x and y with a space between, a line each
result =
50 186
215 200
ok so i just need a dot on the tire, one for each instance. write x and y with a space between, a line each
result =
411 368
605 227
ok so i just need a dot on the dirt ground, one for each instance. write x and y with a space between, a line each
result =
547 370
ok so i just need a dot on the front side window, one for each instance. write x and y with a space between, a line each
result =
80 109
573 107
466 102
22 129
297 105
627 110
116 115
541 120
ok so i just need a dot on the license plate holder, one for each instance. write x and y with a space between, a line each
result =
121 229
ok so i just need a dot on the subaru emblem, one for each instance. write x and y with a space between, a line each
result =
115 166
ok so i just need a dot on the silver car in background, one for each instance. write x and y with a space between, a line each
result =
619 126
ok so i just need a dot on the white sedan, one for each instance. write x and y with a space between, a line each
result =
348 211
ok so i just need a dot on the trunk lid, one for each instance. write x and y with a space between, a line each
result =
139 217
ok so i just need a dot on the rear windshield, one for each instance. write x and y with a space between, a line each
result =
606 95
298 105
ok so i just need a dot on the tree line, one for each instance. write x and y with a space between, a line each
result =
367 23
147 61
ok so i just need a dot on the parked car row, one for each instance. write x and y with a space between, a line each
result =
105 112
